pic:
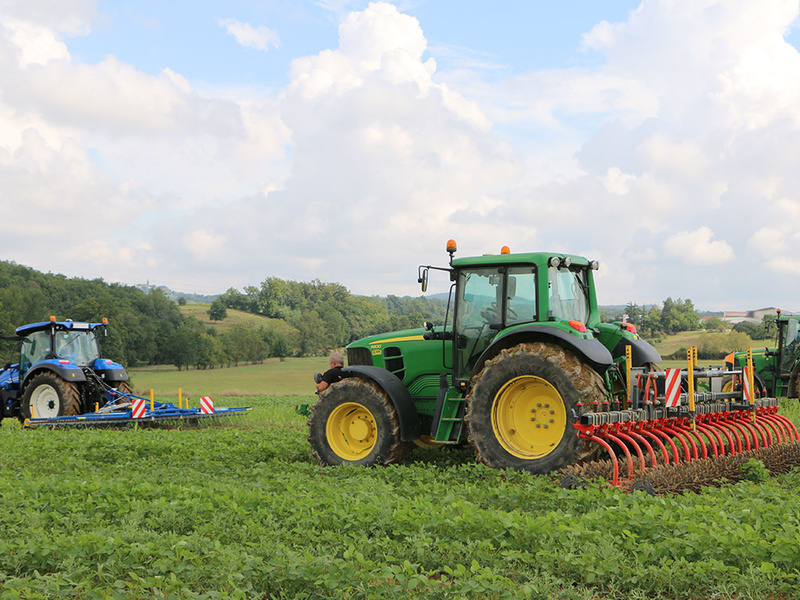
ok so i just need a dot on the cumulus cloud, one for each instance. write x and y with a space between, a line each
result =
672 160
260 38
697 248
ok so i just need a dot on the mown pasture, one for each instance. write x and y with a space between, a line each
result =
274 377
240 510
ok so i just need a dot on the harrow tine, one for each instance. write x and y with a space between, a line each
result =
675 454
735 440
713 437
636 447
794 434
691 436
627 452
659 443
604 444
776 428
747 432
783 434
764 432
647 445
689 455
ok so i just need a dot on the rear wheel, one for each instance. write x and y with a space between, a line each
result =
47 395
521 408
123 386
354 422
794 384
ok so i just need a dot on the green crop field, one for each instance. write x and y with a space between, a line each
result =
239 509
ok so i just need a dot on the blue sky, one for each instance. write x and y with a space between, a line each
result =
185 35
215 144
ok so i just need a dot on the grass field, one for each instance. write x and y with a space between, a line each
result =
235 317
239 509
272 378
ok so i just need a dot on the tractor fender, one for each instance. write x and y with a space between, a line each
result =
72 375
110 371
641 352
591 350
398 394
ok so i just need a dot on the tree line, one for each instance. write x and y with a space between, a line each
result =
304 319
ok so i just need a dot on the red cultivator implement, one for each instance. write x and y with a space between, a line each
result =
668 425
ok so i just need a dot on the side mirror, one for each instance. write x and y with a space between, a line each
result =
423 280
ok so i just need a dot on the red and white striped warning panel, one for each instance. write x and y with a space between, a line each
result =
137 411
673 388
206 405
748 393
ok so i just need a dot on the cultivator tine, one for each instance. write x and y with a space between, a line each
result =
668 426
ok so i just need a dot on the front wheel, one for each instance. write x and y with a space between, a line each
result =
47 396
354 422
523 404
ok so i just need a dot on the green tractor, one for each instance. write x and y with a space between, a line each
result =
521 352
776 370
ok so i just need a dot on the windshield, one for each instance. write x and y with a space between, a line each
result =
569 294
791 342
80 347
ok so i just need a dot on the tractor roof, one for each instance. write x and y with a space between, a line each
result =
68 325
536 258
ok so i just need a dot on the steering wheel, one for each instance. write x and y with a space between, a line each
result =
490 314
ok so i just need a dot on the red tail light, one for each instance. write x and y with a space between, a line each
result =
629 326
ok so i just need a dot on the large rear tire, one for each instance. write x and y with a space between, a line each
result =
793 390
520 410
123 386
50 396
354 422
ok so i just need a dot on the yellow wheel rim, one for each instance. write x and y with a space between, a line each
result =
727 386
529 417
351 431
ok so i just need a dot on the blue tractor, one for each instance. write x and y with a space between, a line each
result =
59 371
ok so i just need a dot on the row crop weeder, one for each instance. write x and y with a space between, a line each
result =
668 426
127 408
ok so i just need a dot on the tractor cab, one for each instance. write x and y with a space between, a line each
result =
68 344
789 343
777 369
496 296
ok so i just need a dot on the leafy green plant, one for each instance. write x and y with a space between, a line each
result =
241 510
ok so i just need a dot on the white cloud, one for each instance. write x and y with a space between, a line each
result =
673 156
618 183
697 248
260 38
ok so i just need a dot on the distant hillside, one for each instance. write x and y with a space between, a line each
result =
175 296
234 317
